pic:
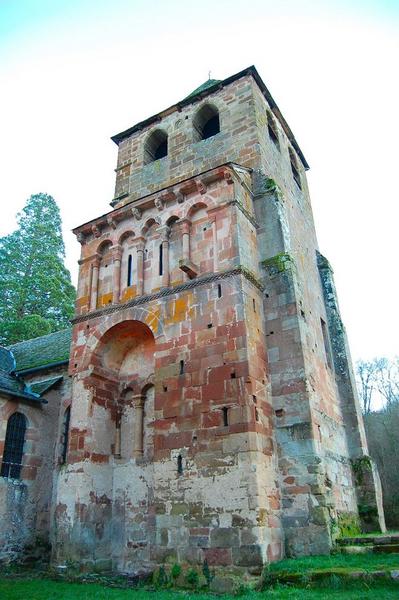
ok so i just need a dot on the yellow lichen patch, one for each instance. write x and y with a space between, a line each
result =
82 301
129 293
152 319
104 300
180 309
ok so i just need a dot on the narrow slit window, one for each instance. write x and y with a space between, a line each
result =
254 304
225 412
219 290
14 446
326 340
65 435
256 415
181 367
179 464
272 129
295 170
129 270
160 260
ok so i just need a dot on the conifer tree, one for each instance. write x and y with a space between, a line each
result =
36 294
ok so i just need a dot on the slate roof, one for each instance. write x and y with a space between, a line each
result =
204 86
10 384
43 351
40 387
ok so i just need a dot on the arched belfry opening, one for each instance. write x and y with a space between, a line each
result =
156 146
206 122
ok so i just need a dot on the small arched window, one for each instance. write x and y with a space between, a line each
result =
294 169
272 129
65 435
14 446
206 123
156 146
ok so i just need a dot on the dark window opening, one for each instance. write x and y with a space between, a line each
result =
254 304
179 464
279 412
129 270
14 446
160 260
181 367
233 375
65 435
254 399
256 415
295 171
165 388
156 146
209 325
219 290
206 123
326 340
225 412
272 129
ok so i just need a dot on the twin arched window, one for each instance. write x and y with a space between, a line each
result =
14 446
206 124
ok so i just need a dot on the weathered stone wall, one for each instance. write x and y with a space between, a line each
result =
26 503
207 417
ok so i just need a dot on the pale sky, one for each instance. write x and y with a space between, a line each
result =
75 72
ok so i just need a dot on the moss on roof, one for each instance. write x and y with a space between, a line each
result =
40 387
42 351
203 87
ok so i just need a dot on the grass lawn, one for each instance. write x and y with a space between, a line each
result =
354 562
44 589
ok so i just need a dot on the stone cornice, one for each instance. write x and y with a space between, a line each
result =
170 291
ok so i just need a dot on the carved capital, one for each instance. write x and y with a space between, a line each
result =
164 232
185 225
117 253
138 401
140 244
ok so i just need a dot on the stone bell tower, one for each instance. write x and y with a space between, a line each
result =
214 415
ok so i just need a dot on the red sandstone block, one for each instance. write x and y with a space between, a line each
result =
212 419
218 556
213 391
99 458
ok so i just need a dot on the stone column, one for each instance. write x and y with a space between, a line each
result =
94 282
140 265
165 231
185 229
138 405
117 274
117 451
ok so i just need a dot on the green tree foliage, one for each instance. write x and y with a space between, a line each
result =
36 294
378 381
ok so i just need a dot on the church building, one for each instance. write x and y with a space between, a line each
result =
209 411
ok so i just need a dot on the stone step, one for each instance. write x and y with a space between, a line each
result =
378 540
363 549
